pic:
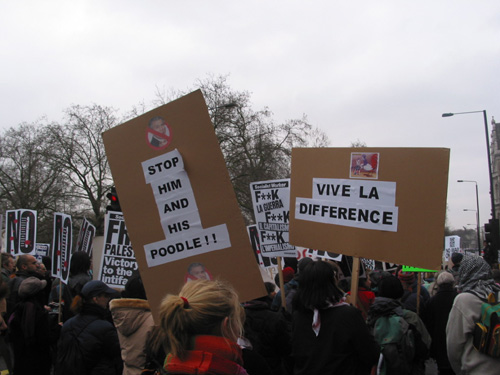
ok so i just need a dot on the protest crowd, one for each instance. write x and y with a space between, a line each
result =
387 328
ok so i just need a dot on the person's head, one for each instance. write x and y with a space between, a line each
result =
364 282
390 287
197 270
80 263
134 288
345 284
303 263
456 259
94 292
317 286
203 307
406 278
27 263
474 276
445 280
8 262
158 124
288 274
270 288
42 271
377 275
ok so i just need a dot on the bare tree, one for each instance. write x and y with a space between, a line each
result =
80 154
358 143
29 178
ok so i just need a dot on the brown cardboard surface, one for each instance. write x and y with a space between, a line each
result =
194 137
421 176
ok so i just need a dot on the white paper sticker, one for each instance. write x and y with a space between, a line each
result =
347 214
187 245
381 193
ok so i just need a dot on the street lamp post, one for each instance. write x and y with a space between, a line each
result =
493 214
477 214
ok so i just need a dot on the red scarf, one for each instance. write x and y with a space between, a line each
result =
211 355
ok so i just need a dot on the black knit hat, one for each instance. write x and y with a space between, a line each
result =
390 287
456 258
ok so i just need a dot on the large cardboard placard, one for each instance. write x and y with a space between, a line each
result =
178 202
386 204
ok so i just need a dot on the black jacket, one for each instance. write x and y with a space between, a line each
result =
344 344
98 340
435 318
269 333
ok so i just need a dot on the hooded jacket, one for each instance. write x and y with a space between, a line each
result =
134 323
98 340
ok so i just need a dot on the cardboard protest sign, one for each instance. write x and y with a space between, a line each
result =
178 201
266 262
118 258
86 237
20 232
451 245
42 250
62 244
386 204
271 206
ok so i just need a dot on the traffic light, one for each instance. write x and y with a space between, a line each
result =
113 199
491 233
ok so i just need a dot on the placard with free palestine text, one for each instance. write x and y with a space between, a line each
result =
178 202
386 204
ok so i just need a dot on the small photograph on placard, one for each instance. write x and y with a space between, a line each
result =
158 133
197 271
364 165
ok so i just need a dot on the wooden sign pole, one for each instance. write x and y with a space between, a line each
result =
355 280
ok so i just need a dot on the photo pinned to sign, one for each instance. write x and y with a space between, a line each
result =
364 165
158 133
179 215
196 271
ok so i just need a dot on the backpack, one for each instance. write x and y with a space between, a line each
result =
71 361
486 335
397 345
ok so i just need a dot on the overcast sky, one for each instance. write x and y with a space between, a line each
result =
382 71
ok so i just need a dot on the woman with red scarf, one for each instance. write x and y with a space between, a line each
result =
201 326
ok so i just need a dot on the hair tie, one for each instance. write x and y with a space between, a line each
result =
186 303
